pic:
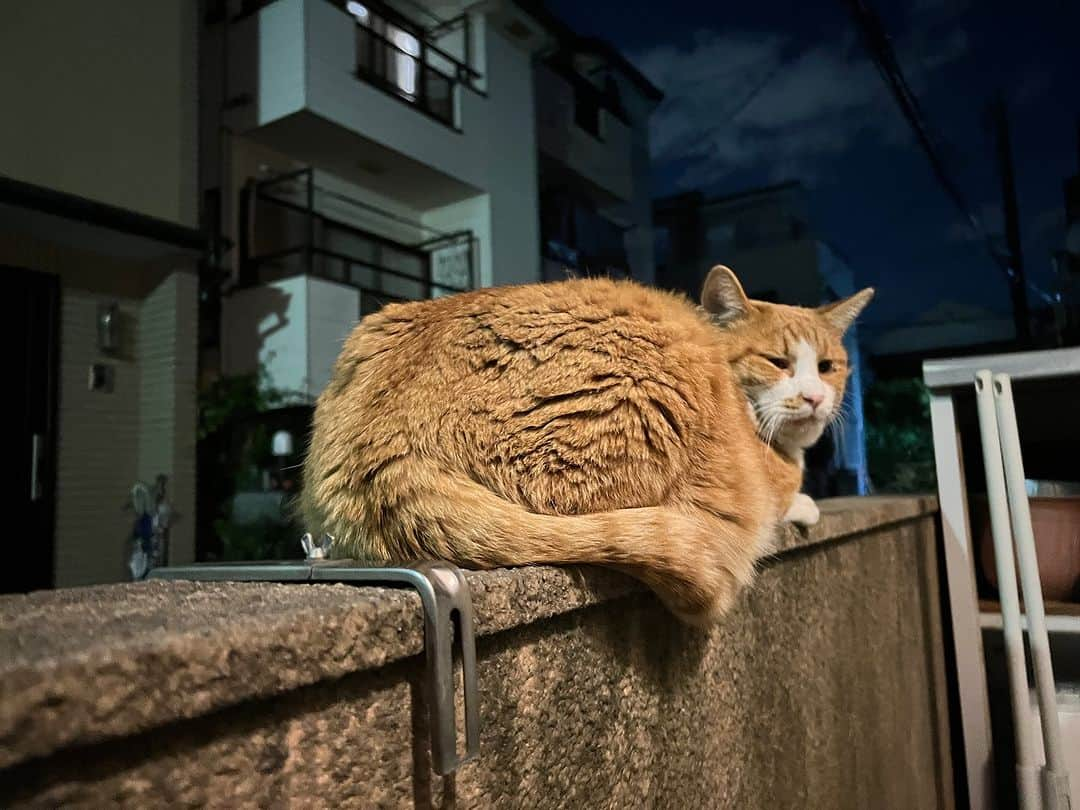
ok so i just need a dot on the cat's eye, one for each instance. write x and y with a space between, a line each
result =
779 362
825 366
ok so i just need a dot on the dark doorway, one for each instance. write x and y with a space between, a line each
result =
31 334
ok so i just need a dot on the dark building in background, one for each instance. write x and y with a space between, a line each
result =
765 236
592 121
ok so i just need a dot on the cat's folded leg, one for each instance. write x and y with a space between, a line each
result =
803 511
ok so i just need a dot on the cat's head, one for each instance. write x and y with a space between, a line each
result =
790 361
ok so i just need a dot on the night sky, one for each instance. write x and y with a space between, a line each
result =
762 92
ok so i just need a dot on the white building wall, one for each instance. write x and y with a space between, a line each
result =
510 155
300 55
474 215
98 450
294 328
108 440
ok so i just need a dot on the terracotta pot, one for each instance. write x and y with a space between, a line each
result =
1055 522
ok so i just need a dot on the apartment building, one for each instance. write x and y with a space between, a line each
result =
593 110
361 153
99 249
767 237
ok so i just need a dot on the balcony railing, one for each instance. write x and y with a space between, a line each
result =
397 56
288 230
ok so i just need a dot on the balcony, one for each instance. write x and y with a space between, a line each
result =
313 262
360 90
393 54
581 140
295 226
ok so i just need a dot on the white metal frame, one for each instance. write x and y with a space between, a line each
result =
945 379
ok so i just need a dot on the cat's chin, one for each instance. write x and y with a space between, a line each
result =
799 434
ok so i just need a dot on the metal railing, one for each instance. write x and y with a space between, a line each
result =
992 376
287 233
398 57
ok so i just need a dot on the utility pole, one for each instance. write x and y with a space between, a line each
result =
1014 258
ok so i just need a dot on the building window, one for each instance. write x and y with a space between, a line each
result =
577 236
392 55
587 112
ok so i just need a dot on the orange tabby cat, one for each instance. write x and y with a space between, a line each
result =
586 421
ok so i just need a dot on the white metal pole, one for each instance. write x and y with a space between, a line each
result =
1027 768
1056 777
963 601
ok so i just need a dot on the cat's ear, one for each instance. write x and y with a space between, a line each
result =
723 296
841 314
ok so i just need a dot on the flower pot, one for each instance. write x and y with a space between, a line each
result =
1055 522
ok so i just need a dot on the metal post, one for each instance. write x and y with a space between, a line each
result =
1027 768
1021 312
421 75
1055 774
311 221
963 602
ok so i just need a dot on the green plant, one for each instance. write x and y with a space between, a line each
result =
899 443
238 449
227 399
263 540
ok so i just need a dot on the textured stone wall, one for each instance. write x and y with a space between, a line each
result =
824 688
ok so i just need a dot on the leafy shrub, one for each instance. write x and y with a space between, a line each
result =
899 443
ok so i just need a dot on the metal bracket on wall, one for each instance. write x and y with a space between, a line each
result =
448 618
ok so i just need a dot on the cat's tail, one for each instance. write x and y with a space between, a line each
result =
694 560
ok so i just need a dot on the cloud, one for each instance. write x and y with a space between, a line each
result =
1048 223
1030 85
989 214
739 101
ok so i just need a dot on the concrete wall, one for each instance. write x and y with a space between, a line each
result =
100 101
824 687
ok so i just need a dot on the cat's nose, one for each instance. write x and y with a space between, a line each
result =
813 399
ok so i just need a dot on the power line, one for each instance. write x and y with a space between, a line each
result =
879 45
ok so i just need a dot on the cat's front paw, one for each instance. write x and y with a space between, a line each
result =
803 511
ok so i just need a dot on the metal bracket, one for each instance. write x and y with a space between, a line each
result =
448 618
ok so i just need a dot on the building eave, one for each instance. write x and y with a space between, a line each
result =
63 217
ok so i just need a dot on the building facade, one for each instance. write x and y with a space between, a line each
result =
359 153
99 246
593 111
205 190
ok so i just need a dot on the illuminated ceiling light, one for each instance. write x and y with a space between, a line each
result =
358 10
